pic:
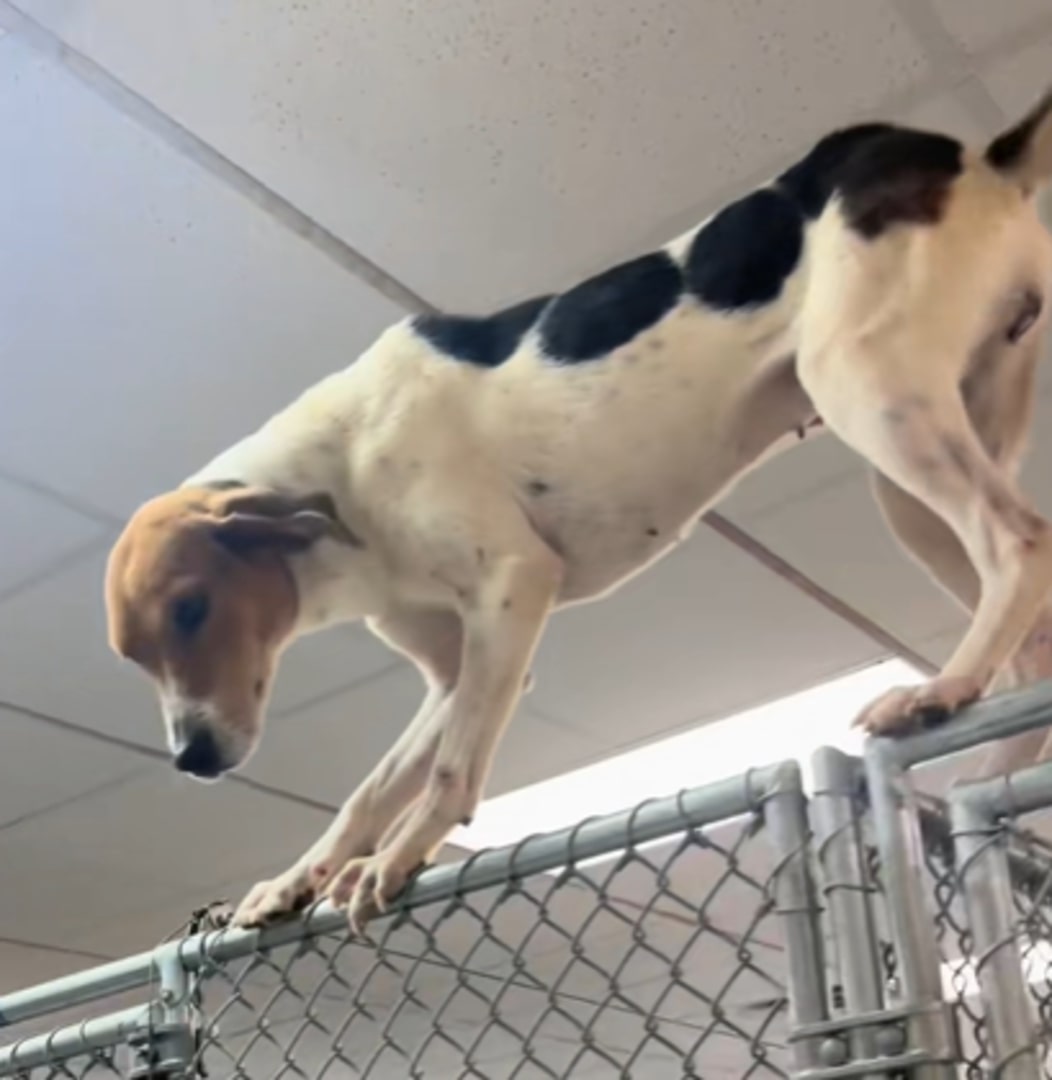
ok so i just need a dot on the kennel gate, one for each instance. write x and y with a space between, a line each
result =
740 929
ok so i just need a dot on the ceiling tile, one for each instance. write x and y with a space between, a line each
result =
38 534
977 24
152 922
476 197
183 314
1017 81
324 750
706 632
60 625
125 848
54 884
1036 477
946 113
318 664
41 766
793 475
938 648
54 657
22 965
837 536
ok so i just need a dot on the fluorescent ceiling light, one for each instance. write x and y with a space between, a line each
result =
791 727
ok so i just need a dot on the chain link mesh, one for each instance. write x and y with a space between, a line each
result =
663 960
954 938
1031 864
949 924
99 1065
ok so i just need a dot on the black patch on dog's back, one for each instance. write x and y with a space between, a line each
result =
610 309
903 177
811 181
742 257
484 340
884 175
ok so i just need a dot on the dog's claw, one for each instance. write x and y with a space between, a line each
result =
269 902
365 888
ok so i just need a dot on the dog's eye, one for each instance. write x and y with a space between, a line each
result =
189 613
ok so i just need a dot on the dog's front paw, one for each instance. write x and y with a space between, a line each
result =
365 886
911 706
287 894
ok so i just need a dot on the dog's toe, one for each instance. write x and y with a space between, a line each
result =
270 901
904 708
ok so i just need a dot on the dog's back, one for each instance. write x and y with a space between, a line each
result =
620 408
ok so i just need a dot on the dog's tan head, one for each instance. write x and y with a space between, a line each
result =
200 595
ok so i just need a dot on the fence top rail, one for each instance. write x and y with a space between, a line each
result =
595 837
98 1033
992 718
1012 795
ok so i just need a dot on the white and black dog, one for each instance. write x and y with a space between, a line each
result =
467 476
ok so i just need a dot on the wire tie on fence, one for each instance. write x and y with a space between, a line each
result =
755 794
572 855
629 850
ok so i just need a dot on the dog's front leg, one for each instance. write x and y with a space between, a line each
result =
502 624
432 640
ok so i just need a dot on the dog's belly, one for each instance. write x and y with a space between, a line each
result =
604 542
615 461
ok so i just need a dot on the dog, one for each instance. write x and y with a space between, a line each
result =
467 476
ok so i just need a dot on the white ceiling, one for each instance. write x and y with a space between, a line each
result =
189 186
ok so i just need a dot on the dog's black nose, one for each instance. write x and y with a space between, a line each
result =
200 756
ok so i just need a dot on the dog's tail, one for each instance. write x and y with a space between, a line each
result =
1024 153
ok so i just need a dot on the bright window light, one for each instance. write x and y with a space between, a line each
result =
791 727
959 979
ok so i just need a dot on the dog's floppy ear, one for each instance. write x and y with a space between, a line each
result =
256 519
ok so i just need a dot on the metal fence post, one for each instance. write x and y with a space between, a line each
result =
165 1048
896 826
845 887
984 873
785 817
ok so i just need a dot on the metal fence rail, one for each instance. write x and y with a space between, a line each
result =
615 948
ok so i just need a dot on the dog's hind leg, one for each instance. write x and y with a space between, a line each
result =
998 395
929 540
933 544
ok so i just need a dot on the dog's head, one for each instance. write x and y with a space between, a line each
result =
199 593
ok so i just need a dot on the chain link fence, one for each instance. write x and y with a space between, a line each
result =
640 963
999 895
653 943
743 930
983 861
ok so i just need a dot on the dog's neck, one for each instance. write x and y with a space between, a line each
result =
335 582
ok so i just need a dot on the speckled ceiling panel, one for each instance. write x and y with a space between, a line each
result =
480 151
